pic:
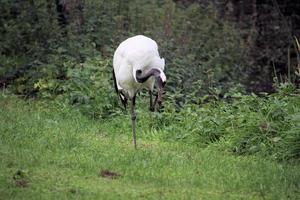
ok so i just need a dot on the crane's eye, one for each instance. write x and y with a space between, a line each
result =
138 72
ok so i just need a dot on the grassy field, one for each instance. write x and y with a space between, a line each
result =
49 151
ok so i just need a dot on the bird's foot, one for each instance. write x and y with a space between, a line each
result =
133 116
151 108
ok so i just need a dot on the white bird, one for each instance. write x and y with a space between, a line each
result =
137 64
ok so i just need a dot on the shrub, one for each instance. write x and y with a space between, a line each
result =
87 87
245 125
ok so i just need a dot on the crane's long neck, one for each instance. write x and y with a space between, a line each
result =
153 72
160 80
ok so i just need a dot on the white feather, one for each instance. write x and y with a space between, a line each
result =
136 53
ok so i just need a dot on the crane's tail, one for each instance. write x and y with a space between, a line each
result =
119 92
115 81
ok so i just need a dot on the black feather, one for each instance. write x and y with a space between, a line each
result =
119 93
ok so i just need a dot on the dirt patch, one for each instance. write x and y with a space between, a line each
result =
109 174
20 179
21 183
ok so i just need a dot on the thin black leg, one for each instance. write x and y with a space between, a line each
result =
133 120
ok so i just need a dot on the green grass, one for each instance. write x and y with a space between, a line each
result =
50 151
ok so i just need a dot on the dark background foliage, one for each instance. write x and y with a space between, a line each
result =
218 42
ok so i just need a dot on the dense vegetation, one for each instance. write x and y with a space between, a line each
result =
232 104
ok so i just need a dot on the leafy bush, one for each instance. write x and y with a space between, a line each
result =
91 88
28 28
251 125
87 86
201 47
266 125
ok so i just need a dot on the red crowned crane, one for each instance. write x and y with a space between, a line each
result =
137 64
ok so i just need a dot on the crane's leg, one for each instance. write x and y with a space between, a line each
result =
151 108
133 120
